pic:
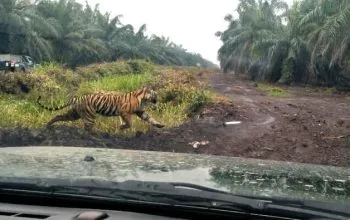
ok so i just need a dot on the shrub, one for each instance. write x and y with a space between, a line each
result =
192 97
121 67
140 66
18 82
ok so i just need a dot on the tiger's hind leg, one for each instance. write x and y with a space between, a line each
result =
88 115
145 117
89 124
126 118
71 115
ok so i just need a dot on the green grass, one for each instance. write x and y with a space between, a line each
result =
331 90
21 112
177 98
169 115
274 91
120 83
25 113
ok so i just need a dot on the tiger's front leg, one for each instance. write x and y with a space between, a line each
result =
145 117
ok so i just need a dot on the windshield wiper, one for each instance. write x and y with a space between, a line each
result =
174 194
192 194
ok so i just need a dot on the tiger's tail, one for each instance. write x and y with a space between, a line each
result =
54 108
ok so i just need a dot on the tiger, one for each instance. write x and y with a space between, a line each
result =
88 106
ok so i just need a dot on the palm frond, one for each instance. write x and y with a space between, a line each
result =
313 15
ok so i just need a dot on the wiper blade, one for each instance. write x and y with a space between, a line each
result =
85 188
174 194
187 194
287 207
191 193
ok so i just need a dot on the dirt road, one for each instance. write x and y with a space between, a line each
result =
307 127
303 128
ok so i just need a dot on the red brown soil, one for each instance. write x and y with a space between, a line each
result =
310 126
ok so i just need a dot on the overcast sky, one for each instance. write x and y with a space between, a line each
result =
191 23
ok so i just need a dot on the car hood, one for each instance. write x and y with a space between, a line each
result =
232 174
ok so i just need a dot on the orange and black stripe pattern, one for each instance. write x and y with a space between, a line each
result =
86 107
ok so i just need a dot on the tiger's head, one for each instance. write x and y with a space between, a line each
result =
149 95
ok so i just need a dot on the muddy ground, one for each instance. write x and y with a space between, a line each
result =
310 126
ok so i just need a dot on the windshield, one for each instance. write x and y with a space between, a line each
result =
246 96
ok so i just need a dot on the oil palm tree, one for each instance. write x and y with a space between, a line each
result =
23 30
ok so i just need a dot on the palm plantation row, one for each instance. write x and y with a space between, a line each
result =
304 43
68 32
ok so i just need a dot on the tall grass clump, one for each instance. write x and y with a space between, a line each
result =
21 112
180 95
120 83
120 67
274 91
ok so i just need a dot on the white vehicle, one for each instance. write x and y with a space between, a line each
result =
14 62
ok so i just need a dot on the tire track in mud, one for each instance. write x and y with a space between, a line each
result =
257 123
262 118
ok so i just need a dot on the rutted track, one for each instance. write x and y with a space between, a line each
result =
302 128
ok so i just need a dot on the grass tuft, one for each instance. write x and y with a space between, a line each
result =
274 91
121 83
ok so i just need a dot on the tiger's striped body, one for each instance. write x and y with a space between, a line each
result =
87 107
